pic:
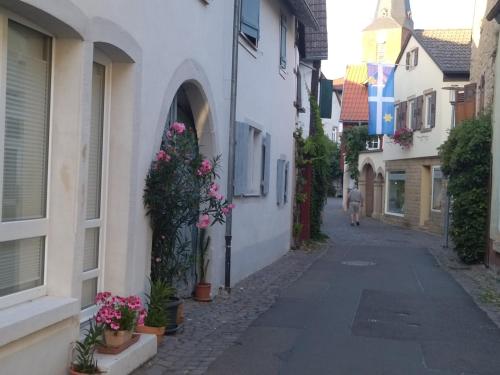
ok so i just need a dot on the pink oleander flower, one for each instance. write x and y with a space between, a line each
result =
203 222
204 168
213 192
227 209
178 127
162 156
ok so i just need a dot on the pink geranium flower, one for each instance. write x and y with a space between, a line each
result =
178 127
203 222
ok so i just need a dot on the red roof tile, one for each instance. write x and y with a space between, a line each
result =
355 95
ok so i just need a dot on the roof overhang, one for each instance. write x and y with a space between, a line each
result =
494 12
303 12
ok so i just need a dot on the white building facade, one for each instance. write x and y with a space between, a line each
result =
86 88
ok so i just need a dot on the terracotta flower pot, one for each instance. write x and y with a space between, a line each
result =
74 372
115 339
158 331
202 292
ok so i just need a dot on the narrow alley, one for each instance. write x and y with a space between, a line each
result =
376 303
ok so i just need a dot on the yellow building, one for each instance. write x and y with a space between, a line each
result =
383 38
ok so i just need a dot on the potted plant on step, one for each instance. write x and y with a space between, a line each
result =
156 320
84 362
203 289
119 316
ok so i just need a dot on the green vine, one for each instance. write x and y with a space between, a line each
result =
466 160
354 139
319 149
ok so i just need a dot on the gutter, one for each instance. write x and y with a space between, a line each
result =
231 153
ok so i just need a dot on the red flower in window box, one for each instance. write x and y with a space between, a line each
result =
403 137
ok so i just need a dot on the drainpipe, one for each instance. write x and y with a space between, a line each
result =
232 124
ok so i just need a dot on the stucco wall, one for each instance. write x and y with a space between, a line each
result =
154 51
408 83
484 51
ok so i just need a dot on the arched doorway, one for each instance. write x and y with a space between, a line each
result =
369 178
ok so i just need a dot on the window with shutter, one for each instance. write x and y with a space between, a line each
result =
283 42
433 110
266 163
407 60
24 159
326 96
403 108
242 133
415 57
250 13
280 182
420 107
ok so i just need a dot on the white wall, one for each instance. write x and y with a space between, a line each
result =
425 76
164 41
266 95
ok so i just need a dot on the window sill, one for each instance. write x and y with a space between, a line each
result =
26 318
248 46
394 214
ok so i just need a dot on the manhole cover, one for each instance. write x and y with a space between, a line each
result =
358 263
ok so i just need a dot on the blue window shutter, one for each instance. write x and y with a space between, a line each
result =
325 98
280 182
241 158
286 176
250 11
266 163
283 42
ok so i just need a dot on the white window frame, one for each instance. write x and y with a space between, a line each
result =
24 229
100 223
254 171
396 116
411 108
434 168
387 186
373 144
427 106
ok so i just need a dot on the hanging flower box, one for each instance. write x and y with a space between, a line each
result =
403 137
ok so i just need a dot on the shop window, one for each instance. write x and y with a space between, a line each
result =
395 201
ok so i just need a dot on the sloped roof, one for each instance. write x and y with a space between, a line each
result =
303 12
355 95
449 48
338 84
316 40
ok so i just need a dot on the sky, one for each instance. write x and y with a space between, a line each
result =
347 18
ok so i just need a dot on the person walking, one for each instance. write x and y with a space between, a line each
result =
354 203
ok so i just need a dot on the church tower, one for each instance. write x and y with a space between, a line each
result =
383 38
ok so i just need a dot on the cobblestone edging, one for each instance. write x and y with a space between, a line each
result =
210 328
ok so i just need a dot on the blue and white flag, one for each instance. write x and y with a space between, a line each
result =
381 99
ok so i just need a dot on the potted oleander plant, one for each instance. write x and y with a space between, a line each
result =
160 294
84 361
203 289
180 193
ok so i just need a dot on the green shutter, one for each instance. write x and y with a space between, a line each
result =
325 98
250 11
